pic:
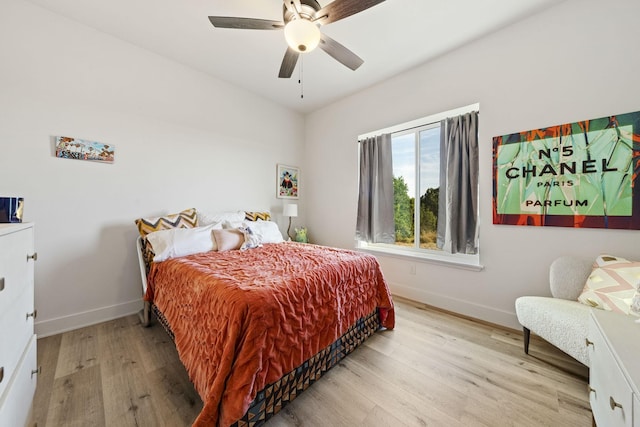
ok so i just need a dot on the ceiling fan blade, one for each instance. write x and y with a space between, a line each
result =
340 9
288 63
245 23
340 53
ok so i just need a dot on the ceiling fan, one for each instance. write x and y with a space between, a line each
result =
301 22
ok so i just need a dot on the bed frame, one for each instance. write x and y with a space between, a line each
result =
270 400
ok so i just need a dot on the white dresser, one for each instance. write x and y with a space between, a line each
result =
18 364
614 377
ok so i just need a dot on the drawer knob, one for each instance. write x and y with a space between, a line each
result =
36 371
588 343
614 404
33 256
33 314
1 284
1 373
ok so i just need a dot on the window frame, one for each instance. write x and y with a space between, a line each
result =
464 261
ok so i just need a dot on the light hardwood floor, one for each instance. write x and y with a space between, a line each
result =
434 369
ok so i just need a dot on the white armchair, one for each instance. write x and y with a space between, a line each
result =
561 319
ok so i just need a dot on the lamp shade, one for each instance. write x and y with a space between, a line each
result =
290 210
302 35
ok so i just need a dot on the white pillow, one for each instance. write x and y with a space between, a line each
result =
207 218
177 242
267 230
232 225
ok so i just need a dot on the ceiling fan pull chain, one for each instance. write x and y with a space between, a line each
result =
300 78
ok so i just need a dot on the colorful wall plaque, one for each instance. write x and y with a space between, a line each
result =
79 149
583 174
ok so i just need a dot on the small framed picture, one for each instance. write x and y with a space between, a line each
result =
287 182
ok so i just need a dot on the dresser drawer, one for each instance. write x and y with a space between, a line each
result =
16 328
610 396
13 410
16 271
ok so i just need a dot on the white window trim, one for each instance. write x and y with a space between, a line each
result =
464 261
422 121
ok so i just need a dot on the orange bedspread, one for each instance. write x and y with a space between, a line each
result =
242 319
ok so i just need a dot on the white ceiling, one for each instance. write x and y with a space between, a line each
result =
391 37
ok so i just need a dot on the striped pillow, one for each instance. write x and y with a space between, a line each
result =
254 216
184 219
612 284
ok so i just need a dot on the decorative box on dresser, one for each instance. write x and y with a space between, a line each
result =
18 364
614 376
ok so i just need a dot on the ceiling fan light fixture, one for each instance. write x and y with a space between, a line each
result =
302 35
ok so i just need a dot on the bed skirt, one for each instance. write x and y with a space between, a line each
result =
270 400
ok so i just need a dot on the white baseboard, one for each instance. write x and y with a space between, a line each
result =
465 308
58 325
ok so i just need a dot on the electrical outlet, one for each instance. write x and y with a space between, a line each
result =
412 269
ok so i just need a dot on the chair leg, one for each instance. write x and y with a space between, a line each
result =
527 335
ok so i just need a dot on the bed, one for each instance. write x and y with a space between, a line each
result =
256 327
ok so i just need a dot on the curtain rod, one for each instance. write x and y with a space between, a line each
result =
434 118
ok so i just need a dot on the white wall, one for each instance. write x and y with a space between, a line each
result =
182 140
573 62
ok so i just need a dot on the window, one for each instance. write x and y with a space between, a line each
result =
425 224
416 177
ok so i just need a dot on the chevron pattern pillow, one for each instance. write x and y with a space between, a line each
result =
254 216
184 219
612 284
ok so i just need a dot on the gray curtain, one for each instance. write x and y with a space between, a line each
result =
375 223
458 203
